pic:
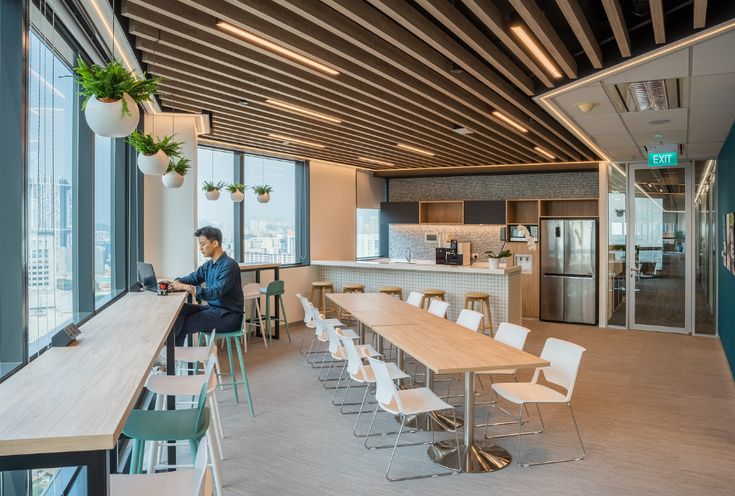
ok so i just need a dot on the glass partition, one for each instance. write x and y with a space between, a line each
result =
617 240
705 226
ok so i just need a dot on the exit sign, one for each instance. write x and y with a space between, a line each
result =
663 159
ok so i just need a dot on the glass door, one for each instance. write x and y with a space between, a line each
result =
659 264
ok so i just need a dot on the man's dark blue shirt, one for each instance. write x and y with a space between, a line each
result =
222 280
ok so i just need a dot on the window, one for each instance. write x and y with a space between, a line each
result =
368 232
51 101
103 203
269 232
215 166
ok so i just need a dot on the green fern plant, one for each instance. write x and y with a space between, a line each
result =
212 186
111 81
262 189
147 145
234 187
180 165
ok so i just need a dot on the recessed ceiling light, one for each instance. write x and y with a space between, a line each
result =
462 130
303 111
226 26
375 161
243 103
281 137
415 150
535 50
543 152
658 122
509 121
455 69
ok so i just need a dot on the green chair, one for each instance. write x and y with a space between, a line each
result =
189 424
275 289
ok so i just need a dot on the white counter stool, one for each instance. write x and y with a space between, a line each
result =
392 291
318 298
194 481
349 288
481 302
432 294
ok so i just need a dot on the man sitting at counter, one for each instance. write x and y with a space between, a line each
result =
222 290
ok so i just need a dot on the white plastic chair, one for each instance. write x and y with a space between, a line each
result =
438 308
469 319
337 352
405 403
308 319
251 293
564 358
415 298
320 335
193 481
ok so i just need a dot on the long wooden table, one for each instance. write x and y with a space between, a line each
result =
443 347
68 407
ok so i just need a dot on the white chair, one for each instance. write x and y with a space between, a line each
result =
438 308
189 385
405 403
415 298
193 481
251 293
469 319
320 335
308 319
564 358
363 374
337 352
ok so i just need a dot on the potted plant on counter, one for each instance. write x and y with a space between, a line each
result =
154 156
212 189
237 192
177 169
493 258
112 94
263 192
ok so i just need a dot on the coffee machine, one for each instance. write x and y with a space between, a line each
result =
458 253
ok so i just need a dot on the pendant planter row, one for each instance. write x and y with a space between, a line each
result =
235 196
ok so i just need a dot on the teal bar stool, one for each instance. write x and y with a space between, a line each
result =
189 424
235 337
274 289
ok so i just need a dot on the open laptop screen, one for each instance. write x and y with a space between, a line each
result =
147 277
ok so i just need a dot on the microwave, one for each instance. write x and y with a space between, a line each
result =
515 235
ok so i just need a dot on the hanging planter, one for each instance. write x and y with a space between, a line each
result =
264 193
237 192
212 190
112 94
154 156
177 169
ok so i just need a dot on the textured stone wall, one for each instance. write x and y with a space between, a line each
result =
495 187
411 236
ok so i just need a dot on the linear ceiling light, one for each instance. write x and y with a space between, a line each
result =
281 137
300 110
535 50
543 152
509 121
225 26
374 161
415 150
704 180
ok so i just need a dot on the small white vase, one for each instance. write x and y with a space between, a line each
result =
107 118
172 179
264 198
153 165
212 195
237 196
493 263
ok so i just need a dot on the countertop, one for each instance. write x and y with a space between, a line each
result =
419 265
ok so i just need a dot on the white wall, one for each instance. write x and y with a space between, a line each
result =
170 215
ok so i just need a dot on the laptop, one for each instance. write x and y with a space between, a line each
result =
147 277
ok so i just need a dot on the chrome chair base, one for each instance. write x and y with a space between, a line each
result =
477 459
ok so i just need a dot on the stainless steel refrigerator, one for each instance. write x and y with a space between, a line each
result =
569 270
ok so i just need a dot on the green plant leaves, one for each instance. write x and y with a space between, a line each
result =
112 81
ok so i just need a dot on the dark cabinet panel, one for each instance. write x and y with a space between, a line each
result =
484 212
399 212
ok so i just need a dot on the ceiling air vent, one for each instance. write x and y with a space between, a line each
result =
646 96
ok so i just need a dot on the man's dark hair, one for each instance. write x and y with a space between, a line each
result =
209 232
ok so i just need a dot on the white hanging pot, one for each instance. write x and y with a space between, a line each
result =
212 195
237 196
264 198
153 165
107 118
172 179
493 263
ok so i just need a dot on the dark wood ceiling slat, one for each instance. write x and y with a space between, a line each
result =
617 23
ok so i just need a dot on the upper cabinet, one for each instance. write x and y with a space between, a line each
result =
484 212
441 212
399 212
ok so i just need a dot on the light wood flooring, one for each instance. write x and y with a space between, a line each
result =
655 410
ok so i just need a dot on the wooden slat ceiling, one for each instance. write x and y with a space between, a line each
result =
408 72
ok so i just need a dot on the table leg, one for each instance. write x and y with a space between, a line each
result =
475 457
380 344
277 301
98 473
170 400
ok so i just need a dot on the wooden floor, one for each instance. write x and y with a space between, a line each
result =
655 410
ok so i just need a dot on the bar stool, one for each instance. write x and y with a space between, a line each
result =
483 301
276 289
349 288
392 291
319 294
430 294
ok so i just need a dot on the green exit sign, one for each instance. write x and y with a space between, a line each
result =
663 159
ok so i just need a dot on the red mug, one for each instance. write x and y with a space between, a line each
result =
162 288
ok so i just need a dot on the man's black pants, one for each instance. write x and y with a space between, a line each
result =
203 318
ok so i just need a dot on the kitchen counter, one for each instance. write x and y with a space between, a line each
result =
503 285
